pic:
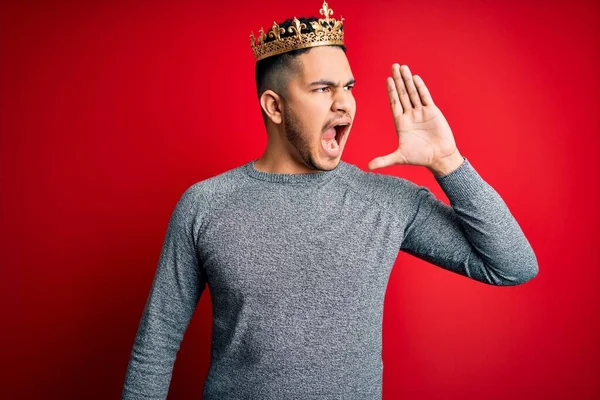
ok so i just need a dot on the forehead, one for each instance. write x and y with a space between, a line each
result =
324 62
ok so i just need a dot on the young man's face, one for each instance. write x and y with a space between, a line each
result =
319 100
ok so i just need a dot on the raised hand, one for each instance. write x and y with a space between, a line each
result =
424 136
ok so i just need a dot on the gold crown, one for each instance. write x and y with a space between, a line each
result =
326 31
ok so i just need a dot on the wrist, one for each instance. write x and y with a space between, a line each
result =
447 164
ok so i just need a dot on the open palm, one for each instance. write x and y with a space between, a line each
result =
424 135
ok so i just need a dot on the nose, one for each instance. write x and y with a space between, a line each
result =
343 101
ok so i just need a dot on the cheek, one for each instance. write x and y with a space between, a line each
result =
316 115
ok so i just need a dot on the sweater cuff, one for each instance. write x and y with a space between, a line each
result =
462 183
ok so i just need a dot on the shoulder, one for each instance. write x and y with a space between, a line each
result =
387 190
212 189
198 199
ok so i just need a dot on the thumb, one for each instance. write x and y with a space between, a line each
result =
384 161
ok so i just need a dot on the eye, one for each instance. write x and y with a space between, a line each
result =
322 88
349 87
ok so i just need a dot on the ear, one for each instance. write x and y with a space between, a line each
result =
271 105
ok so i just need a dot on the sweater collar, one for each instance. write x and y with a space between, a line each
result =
313 177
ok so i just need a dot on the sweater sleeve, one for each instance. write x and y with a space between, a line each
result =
177 286
476 236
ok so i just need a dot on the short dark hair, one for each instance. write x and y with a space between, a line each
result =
271 72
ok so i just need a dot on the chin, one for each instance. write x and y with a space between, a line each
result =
327 163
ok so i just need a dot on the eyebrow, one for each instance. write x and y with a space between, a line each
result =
329 83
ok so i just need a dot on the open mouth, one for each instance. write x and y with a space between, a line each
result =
332 138
340 132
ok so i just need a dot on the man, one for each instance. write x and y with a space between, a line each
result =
297 246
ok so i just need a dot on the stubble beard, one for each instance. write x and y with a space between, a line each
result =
293 132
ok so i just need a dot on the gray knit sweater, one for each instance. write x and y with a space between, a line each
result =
297 266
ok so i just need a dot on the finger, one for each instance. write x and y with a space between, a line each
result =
423 91
400 88
393 95
383 161
413 95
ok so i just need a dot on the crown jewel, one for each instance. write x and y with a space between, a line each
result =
325 31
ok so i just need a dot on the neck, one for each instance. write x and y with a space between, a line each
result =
281 162
280 157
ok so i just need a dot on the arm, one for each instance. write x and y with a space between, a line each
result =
477 237
176 289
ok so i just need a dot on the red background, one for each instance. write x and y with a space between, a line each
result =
109 111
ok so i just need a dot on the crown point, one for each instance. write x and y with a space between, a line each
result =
326 11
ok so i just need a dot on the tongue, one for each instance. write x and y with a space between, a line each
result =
330 145
328 135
